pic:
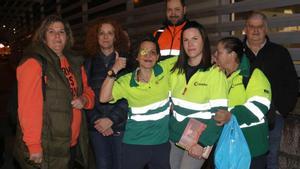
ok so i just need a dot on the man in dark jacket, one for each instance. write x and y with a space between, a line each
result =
276 63
169 35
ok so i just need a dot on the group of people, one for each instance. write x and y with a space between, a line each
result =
134 105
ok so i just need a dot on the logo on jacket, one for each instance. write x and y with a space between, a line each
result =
200 84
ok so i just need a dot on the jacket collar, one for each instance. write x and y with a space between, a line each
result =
244 66
245 41
183 21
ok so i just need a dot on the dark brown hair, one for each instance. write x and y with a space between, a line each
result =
182 61
181 1
233 44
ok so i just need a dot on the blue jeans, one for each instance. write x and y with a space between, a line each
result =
274 143
107 150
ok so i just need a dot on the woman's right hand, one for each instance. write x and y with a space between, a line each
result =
120 63
222 117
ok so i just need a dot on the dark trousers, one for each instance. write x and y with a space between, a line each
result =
107 150
72 157
274 142
152 156
259 162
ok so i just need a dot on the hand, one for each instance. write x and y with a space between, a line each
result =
120 63
222 117
36 157
108 132
103 124
79 102
196 151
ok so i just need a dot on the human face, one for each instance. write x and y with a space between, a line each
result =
147 56
175 11
56 37
193 43
106 36
256 30
222 56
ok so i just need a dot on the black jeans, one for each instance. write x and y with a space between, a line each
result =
72 157
259 162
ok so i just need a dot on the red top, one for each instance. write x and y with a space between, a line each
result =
30 100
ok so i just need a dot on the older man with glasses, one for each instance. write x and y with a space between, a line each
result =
276 63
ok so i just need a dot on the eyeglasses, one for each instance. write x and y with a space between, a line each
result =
252 27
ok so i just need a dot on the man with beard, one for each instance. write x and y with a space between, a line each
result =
169 35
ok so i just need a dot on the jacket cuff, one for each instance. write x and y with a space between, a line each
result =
94 118
114 120
89 104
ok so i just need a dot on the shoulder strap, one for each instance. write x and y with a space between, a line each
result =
44 67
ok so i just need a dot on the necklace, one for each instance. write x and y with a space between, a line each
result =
141 78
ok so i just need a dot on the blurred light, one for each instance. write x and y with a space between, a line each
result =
288 11
4 26
136 1
1 45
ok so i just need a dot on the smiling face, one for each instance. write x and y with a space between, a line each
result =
192 43
56 37
147 56
175 11
106 36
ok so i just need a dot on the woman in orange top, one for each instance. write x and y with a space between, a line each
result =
51 123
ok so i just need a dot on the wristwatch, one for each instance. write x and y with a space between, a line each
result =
111 74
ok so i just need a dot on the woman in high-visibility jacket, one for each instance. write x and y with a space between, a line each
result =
249 97
198 91
146 137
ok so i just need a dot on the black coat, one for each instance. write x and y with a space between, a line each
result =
96 69
276 63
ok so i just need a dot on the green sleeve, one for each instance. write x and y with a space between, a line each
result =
168 64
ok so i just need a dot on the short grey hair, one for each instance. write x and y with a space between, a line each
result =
258 15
